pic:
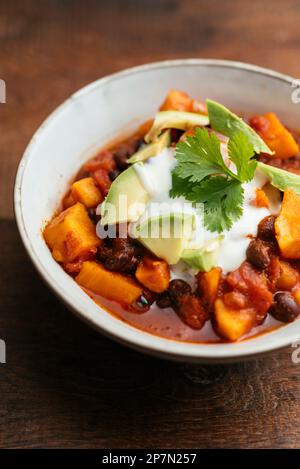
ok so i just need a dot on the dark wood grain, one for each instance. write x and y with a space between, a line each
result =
63 384
51 48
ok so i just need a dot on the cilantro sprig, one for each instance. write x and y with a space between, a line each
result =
202 176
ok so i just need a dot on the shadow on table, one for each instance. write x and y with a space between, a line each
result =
66 385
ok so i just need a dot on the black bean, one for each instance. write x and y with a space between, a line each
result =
136 144
92 215
132 264
143 303
258 253
140 306
149 296
120 255
114 174
178 287
284 307
121 160
175 135
104 251
163 300
117 262
125 150
190 309
266 228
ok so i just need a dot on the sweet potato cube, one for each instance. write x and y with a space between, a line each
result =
284 143
287 226
276 136
288 278
261 199
208 284
145 127
177 101
71 234
296 295
231 323
153 274
86 192
111 285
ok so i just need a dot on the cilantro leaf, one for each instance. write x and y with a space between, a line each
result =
200 156
240 151
193 171
180 187
202 176
222 199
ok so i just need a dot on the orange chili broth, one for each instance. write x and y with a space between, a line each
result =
165 323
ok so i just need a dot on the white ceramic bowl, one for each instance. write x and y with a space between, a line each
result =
103 110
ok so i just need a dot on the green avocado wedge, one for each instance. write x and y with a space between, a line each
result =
166 235
227 123
175 120
280 178
153 149
126 199
204 258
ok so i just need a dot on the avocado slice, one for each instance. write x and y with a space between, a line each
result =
163 141
166 235
227 123
175 120
126 199
280 178
204 258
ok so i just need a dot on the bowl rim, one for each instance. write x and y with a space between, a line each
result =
162 347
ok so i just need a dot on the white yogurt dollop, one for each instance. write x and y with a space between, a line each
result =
155 175
237 239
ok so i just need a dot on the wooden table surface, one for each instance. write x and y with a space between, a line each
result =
63 384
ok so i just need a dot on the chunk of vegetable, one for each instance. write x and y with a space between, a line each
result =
181 101
227 123
102 180
86 192
208 284
253 284
153 149
71 234
181 120
68 200
275 135
111 285
280 179
190 309
154 274
235 299
297 296
177 101
273 273
246 306
145 127
104 160
287 226
231 323
261 199
204 258
288 277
